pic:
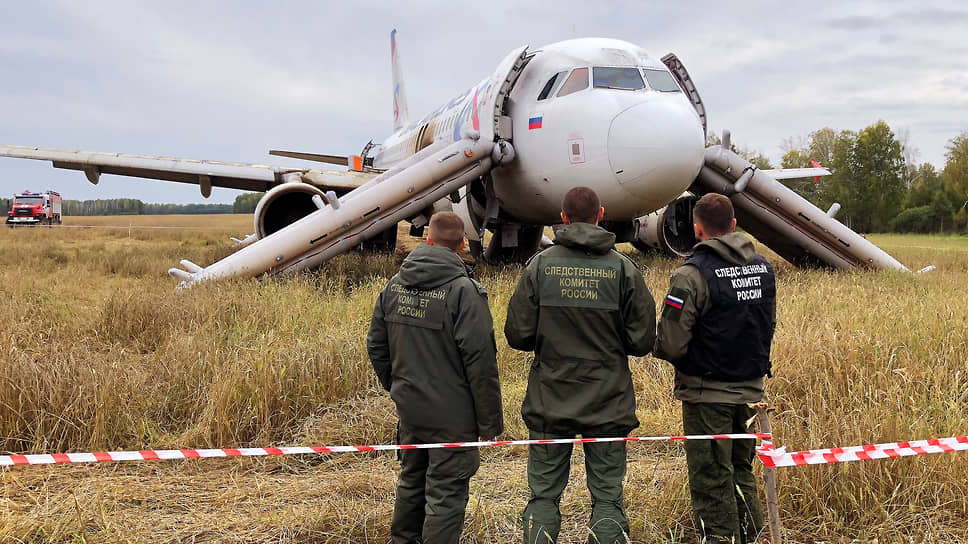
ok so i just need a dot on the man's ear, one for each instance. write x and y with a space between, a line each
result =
732 227
564 219
430 241
697 229
463 243
601 214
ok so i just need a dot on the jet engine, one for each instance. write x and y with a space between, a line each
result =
287 203
668 230
283 205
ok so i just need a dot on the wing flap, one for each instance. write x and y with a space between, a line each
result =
341 160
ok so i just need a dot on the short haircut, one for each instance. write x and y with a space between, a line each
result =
447 229
715 213
581 205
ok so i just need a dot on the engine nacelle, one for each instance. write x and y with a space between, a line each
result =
283 205
668 230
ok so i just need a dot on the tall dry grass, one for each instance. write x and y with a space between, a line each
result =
99 352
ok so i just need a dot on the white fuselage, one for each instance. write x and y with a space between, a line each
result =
613 119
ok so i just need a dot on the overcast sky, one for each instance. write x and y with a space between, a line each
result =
230 80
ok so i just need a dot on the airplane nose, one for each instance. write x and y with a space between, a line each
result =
656 148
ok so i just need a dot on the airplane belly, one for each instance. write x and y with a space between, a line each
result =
526 197
535 197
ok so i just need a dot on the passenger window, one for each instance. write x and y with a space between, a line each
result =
661 80
628 79
549 87
577 81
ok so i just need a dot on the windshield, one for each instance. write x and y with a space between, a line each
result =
660 80
552 84
617 78
37 200
577 81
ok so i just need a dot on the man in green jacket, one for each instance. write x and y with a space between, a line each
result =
716 329
431 342
583 308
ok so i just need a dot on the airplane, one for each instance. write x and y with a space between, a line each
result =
597 112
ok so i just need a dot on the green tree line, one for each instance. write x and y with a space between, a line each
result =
244 203
879 188
131 206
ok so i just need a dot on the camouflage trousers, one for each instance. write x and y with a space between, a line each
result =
548 468
721 481
432 492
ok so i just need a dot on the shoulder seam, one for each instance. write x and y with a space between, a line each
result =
537 253
624 256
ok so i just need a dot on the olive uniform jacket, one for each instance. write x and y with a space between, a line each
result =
431 343
583 308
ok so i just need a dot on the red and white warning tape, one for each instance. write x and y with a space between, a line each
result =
781 458
767 454
155 455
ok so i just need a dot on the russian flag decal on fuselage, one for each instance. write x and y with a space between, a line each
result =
534 122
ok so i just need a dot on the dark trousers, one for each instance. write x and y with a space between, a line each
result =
432 492
548 468
721 481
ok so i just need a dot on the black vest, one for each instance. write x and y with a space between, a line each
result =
731 342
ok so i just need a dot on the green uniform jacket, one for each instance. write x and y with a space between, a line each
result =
583 308
431 342
675 327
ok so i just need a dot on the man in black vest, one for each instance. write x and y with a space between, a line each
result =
716 329
431 342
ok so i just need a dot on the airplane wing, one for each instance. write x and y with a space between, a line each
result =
794 173
206 174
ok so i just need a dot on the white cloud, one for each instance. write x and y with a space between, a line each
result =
228 80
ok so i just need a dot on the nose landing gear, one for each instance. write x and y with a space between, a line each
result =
512 243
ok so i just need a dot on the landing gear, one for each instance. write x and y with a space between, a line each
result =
385 242
643 248
513 243
476 247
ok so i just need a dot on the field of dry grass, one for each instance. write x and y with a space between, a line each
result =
100 352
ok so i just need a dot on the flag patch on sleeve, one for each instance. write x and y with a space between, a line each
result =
674 301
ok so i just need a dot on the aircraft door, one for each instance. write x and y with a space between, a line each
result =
491 105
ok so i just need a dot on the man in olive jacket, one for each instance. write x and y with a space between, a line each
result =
583 308
431 342
716 328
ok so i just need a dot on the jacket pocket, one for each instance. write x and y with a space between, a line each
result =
574 370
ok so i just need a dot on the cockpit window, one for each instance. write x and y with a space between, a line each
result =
549 87
577 81
617 78
661 80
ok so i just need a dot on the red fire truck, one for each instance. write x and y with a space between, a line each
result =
35 209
